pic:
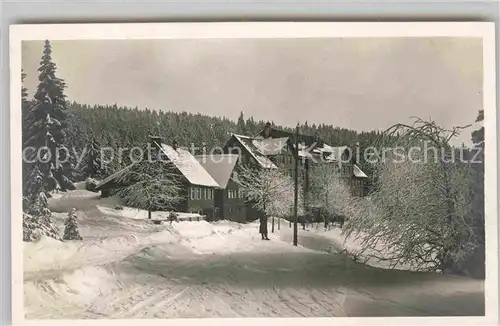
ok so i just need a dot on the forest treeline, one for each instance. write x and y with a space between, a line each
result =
124 127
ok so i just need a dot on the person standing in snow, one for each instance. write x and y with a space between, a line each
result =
263 227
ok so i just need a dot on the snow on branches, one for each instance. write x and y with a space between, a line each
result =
71 231
151 185
37 220
422 202
270 190
329 191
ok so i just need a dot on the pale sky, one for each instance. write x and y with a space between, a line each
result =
362 84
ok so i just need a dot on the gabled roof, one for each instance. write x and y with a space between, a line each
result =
113 177
260 148
262 160
332 153
219 166
357 172
279 133
190 168
270 146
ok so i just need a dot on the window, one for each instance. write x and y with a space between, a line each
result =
209 193
191 193
198 193
205 196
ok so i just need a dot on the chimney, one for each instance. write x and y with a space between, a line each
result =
317 140
155 144
155 140
357 153
267 130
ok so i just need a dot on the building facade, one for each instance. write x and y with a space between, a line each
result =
197 187
229 200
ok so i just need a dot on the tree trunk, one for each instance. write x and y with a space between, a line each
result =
272 225
149 213
279 219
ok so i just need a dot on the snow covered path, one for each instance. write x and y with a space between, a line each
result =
197 269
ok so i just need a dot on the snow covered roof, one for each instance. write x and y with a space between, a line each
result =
336 153
112 177
219 166
190 168
262 160
270 146
357 172
332 153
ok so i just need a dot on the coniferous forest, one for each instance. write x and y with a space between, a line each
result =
124 127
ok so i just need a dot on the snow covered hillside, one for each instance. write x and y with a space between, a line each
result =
127 267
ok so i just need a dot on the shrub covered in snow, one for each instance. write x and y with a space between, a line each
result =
422 203
37 221
91 184
173 217
71 231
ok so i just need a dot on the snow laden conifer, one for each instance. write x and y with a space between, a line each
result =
93 166
45 129
475 265
37 220
71 231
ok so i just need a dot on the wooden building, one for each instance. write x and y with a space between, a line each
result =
275 148
197 185
229 202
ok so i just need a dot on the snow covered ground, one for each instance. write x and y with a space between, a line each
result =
128 267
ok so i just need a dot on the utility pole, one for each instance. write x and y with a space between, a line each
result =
296 188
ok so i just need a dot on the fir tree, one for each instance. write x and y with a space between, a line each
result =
45 130
241 124
24 117
93 165
24 90
37 220
71 231
475 265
